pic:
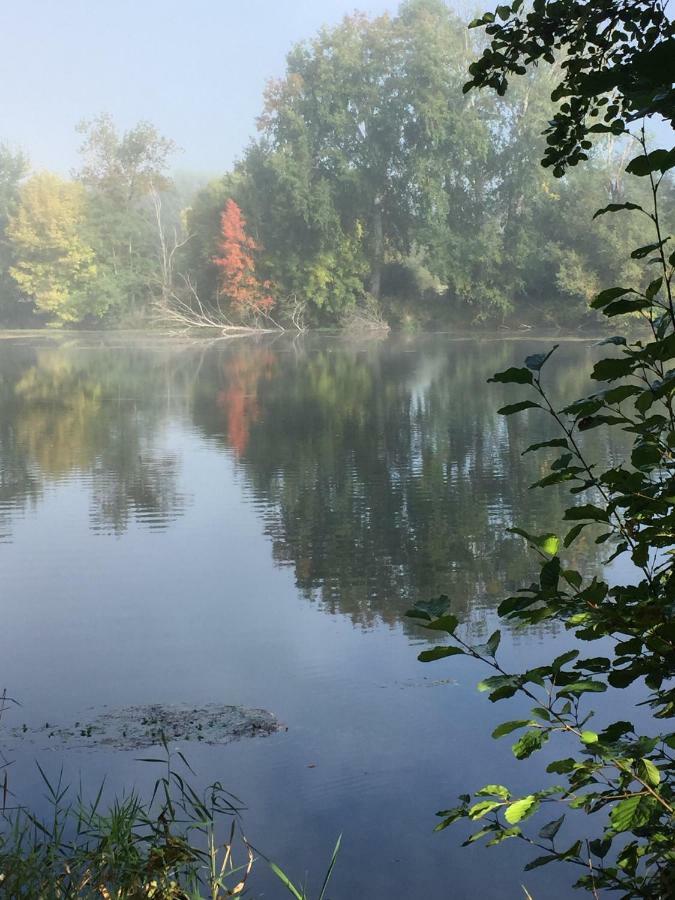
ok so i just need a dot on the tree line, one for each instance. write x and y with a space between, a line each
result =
375 187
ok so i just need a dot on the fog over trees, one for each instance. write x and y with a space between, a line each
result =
375 186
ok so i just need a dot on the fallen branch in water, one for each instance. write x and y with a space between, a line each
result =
173 309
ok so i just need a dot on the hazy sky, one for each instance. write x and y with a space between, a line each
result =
195 68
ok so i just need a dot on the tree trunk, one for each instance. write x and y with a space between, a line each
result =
378 250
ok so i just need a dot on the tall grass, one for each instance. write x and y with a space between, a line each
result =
168 847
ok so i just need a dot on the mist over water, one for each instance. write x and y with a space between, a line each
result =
247 522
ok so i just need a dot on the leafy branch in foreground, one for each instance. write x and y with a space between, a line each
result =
617 66
628 775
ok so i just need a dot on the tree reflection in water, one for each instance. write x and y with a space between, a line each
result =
382 472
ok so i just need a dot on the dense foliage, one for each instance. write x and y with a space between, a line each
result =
373 179
617 71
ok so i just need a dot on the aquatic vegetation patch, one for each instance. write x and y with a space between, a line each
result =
135 727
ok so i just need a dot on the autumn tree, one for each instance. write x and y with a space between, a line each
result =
54 264
236 262
13 169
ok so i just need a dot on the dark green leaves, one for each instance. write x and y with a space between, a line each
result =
587 512
549 831
641 252
616 207
605 297
584 686
610 369
429 609
518 407
446 623
656 161
554 442
513 376
549 575
439 653
537 360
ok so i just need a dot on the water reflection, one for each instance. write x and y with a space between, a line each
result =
72 414
381 472
183 515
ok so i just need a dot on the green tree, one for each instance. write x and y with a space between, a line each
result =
123 173
357 138
53 263
13 169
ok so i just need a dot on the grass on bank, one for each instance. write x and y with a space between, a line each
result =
169 847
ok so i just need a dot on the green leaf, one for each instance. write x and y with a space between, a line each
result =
563 659
444 623
589 737
530 742
508 727
537 360
549 575
615 207
657 161
654 288
518 407
478 810
561 766
586 511
494 790
493 641
503 835
621 307
439 653
609 369
541 861
429 609
478 835
554 442
647 771
548 543
286 881
573 578
585 685
549 831
513 376
631 813
604 297
573 534
521 809
641 252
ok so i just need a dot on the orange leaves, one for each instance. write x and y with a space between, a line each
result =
236 262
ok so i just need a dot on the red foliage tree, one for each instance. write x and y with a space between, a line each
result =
236 261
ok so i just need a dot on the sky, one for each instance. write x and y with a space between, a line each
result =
195 68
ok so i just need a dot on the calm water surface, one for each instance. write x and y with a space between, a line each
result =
247 522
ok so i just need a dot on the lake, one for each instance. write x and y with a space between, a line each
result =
246 522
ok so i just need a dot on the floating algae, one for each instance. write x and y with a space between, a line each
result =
134 727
